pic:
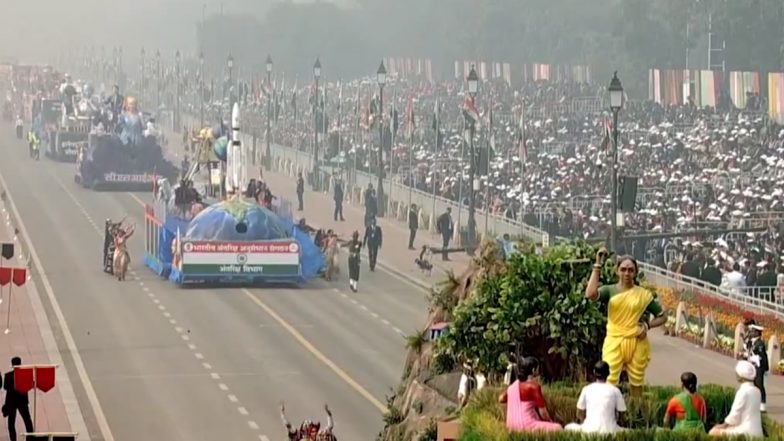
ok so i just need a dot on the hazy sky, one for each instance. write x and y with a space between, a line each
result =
37 30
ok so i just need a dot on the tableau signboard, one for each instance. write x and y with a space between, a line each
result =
218 258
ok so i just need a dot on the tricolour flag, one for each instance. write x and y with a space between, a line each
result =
470 112
607 131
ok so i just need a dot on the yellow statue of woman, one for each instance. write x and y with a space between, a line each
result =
631 312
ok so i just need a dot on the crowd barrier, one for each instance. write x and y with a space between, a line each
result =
291 161
760 299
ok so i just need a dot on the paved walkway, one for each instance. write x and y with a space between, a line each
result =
394 254
25 340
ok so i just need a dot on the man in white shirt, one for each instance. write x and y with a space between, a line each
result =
745 417
468 382
600 404
734 279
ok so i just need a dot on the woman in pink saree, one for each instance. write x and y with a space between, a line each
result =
526 409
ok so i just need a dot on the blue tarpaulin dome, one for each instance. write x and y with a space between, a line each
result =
243 220
238 220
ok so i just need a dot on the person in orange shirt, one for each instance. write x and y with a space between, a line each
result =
687 409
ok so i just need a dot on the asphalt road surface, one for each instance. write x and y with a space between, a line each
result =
204 364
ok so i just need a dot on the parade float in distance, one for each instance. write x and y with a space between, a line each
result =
66 120
127 158
233 240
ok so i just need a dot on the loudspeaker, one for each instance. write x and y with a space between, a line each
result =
627 193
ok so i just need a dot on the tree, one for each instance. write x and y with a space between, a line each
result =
537 304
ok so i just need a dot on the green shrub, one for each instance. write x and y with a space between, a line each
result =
538 304
483 418
443 363
430 433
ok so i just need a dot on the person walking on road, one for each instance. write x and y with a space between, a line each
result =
413 225
446 228
15 402
373 240
354 248
371 207
300 191
337 196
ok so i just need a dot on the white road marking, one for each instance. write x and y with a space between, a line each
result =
179 329
191 346
172 321
92 397
242 410
199 356
263 438
215 376
75 418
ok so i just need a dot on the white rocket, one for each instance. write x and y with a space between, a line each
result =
236 168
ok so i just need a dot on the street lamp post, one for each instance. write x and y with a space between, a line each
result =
267 151
230 65
158 77
201 90
616 104
473 88
381 76
177 58
141 67
316 177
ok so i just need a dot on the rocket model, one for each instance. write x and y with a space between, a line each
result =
235 156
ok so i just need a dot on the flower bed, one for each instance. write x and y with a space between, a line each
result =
726 316
483 418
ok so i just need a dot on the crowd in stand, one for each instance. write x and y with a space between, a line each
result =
698 169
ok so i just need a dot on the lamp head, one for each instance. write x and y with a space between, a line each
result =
381 74
616 93
473 81
317 69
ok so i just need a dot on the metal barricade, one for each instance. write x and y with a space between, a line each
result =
762 299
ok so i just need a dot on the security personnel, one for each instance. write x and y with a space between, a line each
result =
15 402
34 143
373 240
757 354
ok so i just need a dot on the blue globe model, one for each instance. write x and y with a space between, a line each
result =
220 146
237 220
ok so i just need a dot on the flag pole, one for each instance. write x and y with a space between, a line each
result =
10 294
410 128
488 138
523 160
438 130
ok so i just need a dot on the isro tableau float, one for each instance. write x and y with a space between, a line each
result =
130 160
232 241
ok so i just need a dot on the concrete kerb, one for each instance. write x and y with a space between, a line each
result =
70 403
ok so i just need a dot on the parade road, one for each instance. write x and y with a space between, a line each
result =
203 364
